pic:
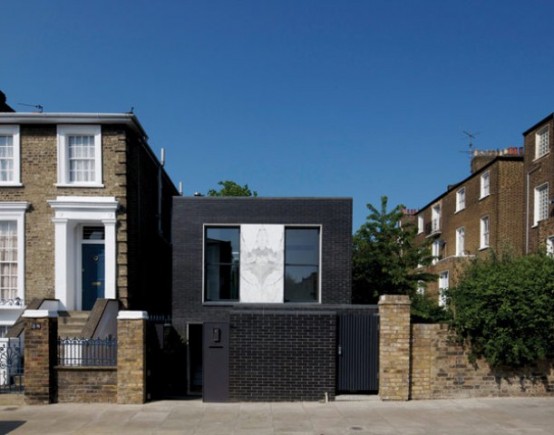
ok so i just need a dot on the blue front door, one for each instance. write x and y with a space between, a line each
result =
93 274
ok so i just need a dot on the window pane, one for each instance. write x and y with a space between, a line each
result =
222 260
301 283
302 246
301 265
8 260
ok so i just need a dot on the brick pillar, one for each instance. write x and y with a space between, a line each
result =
131 357
394 347
41 335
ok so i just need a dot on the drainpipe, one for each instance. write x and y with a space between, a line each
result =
528 201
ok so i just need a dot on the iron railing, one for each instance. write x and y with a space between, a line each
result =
87 352
11 365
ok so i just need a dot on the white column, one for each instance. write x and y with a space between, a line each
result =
62 292
110 258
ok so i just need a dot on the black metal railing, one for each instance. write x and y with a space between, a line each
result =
11 365
87 352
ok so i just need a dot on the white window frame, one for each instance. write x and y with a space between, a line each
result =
542 142
460 242
13 131
485 184
15 212
436 218
443 285
64 131
461 199
420 224
484 233
541 203
435 251
550 246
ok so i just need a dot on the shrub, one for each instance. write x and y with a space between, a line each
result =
504 308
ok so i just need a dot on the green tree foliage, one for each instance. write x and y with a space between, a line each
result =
230 188
504 308
386 256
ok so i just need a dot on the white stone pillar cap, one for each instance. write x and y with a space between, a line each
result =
132 315
37 314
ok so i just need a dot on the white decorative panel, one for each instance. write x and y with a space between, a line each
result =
262 252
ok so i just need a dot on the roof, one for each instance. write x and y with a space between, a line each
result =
127 119
542 121
455 186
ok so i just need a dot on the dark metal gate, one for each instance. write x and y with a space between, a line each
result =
216 362
358 353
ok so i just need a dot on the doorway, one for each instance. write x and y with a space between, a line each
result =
93 266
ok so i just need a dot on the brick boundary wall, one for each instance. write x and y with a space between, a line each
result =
41 334
423 361
87 384
441 370
131 357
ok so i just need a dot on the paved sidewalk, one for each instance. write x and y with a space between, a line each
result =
469 416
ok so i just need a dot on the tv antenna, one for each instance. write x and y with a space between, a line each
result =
471 137
39 107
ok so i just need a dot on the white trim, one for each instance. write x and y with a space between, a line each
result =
63 163
482 193
39 314
15 211
13 131
536 206
69 213
132 315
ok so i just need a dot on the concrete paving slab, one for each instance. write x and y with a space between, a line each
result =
467 416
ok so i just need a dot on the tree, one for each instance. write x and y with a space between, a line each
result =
504 309
386 257
230 188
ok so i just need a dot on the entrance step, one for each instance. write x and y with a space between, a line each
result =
71 323
357 398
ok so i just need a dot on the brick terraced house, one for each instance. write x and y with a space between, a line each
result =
84 215
261 297
505 204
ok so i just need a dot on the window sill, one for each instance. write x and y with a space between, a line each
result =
458 211
11 185
483 248
80 185
484 196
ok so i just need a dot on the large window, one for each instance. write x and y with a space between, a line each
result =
460 242
436 218
420 224
541 203
461 199
435 251
9 155
485 233
222 263
79 155
485 184
301 264
542 140
8 260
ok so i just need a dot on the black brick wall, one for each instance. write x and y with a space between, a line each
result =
191 213
277 356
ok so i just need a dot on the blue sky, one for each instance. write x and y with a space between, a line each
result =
294 97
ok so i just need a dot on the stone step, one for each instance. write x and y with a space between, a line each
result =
71 323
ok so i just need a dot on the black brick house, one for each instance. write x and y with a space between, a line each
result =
259 285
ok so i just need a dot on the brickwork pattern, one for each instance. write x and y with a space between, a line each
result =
394 347
279 356
87 385
131 361
190 214
440 369
40 358
503 206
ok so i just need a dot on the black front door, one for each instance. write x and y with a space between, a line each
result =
216 362
93 273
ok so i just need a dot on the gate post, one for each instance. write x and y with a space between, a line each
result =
131 357
394 347
41 336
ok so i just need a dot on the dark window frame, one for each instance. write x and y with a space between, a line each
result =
229 291
290 264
